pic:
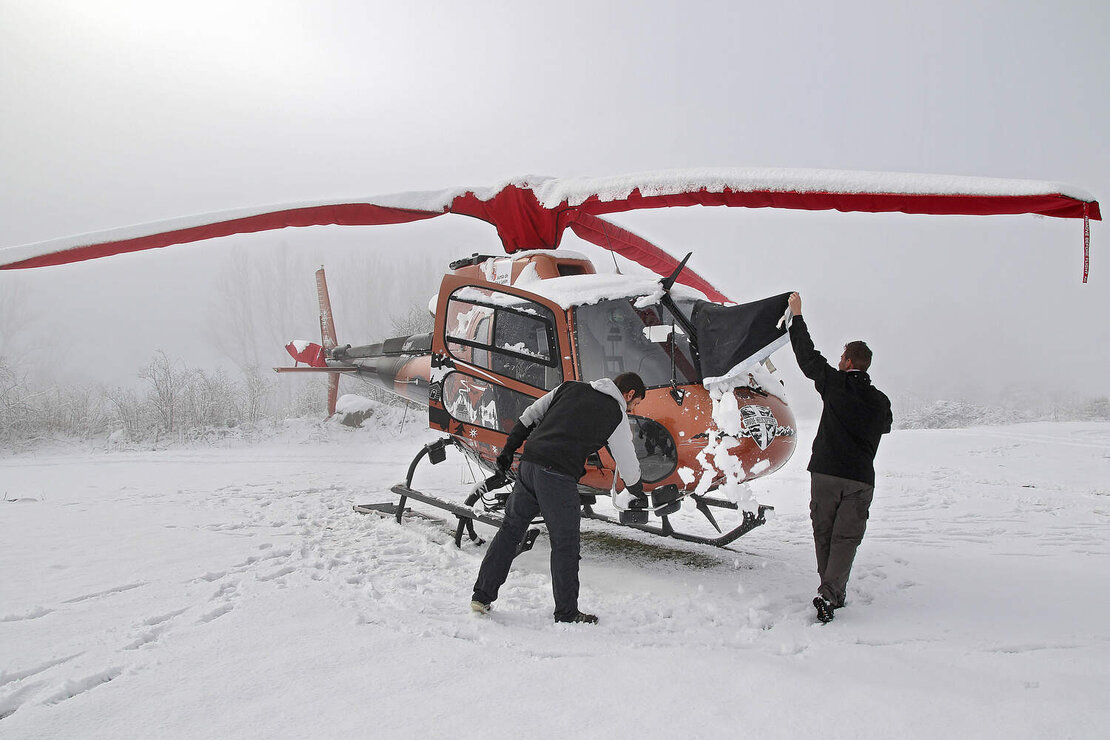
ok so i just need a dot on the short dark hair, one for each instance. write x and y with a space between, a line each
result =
859 353
631 382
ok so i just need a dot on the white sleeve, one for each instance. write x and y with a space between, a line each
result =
624 452
534 413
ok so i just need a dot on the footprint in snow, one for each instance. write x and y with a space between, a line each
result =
226 591
276 574
146 637
107 592
160 618
71 689
14 676
211 576
12 702
38 611
215 613
152 628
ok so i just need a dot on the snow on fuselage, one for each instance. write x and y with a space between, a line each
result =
508 330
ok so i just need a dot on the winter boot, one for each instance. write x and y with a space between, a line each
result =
479 607
824 609
578 618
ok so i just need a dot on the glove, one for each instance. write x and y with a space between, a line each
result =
632 497
515 440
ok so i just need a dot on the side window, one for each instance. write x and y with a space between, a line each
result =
654 447
509 335
479 356
475 401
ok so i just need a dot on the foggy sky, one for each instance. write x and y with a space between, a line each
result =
116 113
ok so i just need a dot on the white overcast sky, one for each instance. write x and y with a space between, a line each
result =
116 113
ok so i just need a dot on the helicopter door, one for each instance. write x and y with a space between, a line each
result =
504 352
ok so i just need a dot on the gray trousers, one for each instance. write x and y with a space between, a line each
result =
555 495
838 508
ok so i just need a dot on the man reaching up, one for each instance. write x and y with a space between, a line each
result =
854 417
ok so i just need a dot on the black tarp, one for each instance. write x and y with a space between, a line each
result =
743 335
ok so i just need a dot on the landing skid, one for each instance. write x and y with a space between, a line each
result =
750 522
466 514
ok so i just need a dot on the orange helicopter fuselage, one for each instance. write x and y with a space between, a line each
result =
501 342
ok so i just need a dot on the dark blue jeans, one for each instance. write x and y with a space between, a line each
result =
555 495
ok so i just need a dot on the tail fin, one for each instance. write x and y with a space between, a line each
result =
327 334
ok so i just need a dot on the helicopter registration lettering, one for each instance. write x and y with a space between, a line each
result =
498 271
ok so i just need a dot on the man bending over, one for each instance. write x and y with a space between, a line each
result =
563 428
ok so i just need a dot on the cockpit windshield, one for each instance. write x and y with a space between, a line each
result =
613 338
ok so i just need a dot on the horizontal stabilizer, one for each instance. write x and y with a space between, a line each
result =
310 353
341 370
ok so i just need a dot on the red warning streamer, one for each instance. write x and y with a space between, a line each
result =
1086 243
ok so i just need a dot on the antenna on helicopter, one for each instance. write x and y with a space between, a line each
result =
668 282
678 394
687 325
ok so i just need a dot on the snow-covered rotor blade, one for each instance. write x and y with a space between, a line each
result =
609 236
197 228
842 190
533 212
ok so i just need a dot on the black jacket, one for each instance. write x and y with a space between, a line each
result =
572 422
855 415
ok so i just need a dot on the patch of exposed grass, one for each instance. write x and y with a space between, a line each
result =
610 543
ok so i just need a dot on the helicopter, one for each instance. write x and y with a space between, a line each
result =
509 329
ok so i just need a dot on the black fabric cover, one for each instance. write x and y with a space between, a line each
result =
728 335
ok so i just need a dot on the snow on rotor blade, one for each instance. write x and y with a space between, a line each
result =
198 228
812 189
608 235
532 212
378 210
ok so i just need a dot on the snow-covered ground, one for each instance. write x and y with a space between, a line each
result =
232 592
